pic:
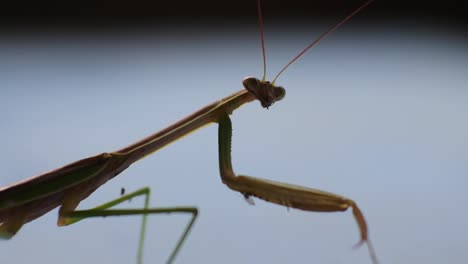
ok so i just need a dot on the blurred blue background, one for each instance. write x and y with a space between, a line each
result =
376 114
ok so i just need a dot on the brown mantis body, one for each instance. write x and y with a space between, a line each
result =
66 187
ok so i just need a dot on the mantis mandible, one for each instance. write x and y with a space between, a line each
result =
66 187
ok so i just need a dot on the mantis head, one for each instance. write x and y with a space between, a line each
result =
266 92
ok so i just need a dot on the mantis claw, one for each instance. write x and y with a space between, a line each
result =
248 198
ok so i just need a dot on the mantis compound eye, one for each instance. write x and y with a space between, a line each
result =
280 92
252 84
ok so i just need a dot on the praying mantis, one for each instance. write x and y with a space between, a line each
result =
66 187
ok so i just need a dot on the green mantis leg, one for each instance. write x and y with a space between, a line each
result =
68 218
288 195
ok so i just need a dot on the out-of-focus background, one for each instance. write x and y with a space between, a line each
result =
376 112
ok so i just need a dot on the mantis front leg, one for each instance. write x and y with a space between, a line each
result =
288 195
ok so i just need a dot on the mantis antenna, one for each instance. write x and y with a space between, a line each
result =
260 25
267 92
326 33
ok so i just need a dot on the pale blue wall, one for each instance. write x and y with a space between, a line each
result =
377 115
